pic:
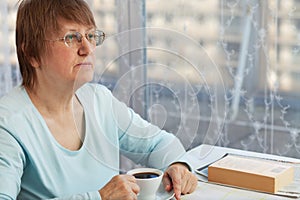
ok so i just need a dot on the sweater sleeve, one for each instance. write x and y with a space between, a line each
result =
12 162
85 196
143 142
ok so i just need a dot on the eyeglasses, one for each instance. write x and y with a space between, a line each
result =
73 39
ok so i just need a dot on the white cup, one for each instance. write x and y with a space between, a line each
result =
148 180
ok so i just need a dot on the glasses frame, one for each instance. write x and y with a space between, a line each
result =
79 36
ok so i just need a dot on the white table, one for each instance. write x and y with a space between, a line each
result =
205 154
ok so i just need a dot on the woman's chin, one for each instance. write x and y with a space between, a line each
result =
83 78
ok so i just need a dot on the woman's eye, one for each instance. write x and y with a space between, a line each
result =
91 36
69 38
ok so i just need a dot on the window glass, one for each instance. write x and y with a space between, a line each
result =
221 72
9 71
253 46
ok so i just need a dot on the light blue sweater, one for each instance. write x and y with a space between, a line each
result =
33 165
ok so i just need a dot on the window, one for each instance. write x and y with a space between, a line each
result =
251 48
222 72
9 75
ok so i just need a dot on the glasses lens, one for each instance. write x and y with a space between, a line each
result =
99 37
72 39
91 37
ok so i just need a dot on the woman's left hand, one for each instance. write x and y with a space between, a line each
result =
180 179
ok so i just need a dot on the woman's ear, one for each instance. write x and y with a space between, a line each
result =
33 61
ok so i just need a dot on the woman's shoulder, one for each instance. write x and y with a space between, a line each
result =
15 99
13 103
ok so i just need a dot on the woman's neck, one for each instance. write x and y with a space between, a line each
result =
52 101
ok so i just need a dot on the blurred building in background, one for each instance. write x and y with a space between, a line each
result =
221 72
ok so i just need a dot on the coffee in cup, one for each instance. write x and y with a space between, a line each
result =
145 175
148 180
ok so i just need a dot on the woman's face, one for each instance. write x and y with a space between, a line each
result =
64 66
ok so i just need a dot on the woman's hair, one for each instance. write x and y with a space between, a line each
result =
37 19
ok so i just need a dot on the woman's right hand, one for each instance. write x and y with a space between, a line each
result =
120 187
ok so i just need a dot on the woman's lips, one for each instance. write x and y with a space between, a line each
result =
85 64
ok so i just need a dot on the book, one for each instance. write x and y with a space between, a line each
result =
251 173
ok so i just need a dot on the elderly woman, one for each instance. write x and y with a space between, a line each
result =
60 136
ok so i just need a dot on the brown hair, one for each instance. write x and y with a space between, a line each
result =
35 20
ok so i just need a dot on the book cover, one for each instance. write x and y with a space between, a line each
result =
251 173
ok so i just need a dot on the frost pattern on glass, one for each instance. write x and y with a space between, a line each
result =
222 72
255 45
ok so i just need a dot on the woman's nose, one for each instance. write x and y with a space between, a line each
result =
86 47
